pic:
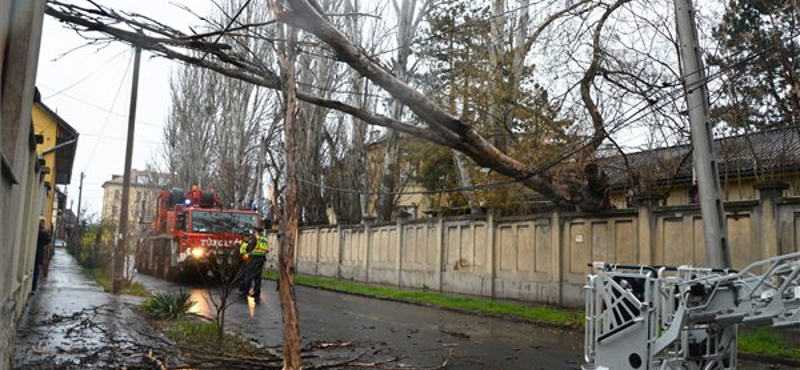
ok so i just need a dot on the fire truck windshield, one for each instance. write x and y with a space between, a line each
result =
221 222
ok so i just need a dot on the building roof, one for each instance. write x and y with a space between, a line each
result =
762 153
138 179
66 143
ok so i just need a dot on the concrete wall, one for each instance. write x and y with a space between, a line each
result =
20 177
544 257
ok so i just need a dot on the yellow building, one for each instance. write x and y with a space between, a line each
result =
744 161
142 197
412 202
57 150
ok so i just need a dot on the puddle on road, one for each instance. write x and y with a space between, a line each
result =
205 305
251 306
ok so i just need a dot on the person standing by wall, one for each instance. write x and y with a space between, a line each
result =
42 240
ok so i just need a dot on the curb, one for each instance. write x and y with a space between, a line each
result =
769 359
451 309
754 357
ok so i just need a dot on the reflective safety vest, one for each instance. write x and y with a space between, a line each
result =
261 246
260 249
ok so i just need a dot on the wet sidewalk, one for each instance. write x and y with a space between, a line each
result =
71 323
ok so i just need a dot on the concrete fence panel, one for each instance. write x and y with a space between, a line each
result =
543 257
524 259
742 241
383 247
328 252
467 268
353 253
307 251
419 256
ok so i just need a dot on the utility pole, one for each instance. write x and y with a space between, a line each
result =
121 252
705 163
80 196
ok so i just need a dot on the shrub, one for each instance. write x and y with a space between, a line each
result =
95 248
169 305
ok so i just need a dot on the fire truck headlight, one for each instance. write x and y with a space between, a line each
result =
198 252
187 202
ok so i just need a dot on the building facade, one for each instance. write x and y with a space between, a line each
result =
144 189
21 172
58 151
744 161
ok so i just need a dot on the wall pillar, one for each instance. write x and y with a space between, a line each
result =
440 254
492 252
318 249
647 226
398 264
340 257
556 259
367 246
769 194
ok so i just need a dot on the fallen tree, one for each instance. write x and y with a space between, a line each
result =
577 186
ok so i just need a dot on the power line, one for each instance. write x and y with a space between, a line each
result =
671 98
103 109
84 78
100 136
105 123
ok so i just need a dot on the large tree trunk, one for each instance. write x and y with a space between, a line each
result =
408 18
291 327
359 128
497 55
465 181
443 127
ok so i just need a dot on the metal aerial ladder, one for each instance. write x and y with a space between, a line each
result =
643 318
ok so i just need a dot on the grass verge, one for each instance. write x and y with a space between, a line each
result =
542 315
203 334
766 341
103 278
761 341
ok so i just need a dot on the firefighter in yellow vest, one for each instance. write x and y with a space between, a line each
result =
254 252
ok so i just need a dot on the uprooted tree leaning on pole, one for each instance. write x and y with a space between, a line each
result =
438 126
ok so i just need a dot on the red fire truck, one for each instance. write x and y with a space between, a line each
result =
189 230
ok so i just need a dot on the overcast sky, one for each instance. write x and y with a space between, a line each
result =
90 89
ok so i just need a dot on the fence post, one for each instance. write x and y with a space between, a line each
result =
556 254
368 246
398 264
440 255
491 253
647 226
317 247
340 257
769 194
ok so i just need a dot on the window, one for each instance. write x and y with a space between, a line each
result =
114 211
220 222
116 194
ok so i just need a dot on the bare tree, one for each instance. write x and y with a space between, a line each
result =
624 82
408 15
214 131
289 218
221 285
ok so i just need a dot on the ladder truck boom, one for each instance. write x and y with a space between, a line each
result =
646 317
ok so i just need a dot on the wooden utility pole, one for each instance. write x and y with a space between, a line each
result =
80 197
121 252
705 163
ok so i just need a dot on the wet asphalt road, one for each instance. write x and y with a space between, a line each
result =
421 336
